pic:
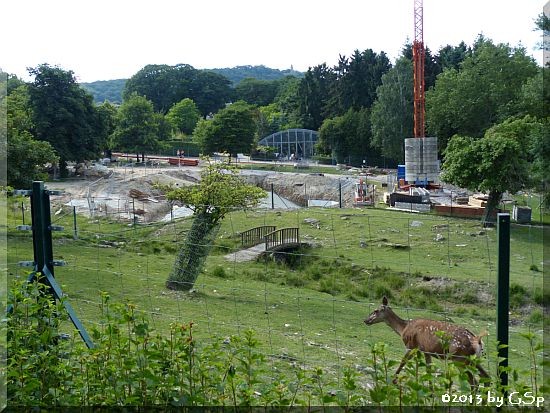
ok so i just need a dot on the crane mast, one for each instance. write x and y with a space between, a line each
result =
419 53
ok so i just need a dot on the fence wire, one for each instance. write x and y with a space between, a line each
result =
322 326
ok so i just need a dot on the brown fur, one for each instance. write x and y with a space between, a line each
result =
421 334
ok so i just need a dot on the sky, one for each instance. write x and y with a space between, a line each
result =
113 39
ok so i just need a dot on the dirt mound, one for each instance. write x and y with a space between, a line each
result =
301 187
123 193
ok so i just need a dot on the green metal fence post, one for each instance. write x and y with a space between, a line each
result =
43 252
503 294
41 233
75 229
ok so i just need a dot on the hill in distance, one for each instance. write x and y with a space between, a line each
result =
238 73
111 90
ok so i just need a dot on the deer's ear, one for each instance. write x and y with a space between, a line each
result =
385 301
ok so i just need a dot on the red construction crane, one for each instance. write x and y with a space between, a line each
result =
419 53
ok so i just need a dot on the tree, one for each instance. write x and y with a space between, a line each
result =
231 130
269 120
533 98
12 82
219 192
108 118
210 91
392 113
287 102
19 116
257 92
163 85
470 100
347 137
496 163
540 166
183 116
166 85
139 129
450 57
358 77
432 64
313 95
542 23
27 158
64 115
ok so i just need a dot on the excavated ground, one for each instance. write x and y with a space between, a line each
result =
123 190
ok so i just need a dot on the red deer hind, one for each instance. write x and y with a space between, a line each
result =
421 334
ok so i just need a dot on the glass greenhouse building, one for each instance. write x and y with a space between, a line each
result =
292 143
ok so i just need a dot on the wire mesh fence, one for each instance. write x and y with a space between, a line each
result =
308 306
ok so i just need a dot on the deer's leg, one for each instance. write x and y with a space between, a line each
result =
471 380
483 374
428 358
407 356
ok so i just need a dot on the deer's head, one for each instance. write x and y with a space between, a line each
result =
380 314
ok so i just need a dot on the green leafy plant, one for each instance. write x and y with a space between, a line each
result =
132 364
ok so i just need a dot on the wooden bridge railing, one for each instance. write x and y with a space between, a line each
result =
281 237
255 235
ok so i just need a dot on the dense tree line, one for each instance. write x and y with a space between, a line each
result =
166 85
239 73
362 108
112 90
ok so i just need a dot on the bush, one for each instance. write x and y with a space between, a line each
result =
315 273
541 297
381 290
329 286
396 281
536 317
534 268
219 272
518 296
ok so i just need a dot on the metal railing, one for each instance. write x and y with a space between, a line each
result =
283 236
255 235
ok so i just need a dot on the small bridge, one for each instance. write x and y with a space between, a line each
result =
282 239
261 240
256 235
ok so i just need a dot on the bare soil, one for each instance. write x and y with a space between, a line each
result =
109 190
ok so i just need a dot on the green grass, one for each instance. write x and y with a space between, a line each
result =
311 308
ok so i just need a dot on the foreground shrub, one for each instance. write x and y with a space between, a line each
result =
131 364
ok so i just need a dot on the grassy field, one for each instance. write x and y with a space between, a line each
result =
308 307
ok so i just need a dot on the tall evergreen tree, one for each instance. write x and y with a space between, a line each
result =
313 95
392 113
